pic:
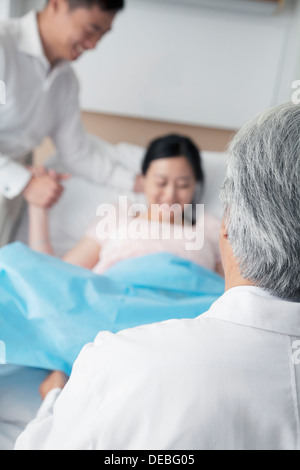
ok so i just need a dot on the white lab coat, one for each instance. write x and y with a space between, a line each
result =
43 102
228 379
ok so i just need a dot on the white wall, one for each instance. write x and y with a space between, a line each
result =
199 62
19 7
4 9
183 63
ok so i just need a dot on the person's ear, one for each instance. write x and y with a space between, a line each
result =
224 230
56 5
139 185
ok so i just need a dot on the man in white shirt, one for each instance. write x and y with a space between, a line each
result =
42 101
228 379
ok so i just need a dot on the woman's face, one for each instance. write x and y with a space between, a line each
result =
170 181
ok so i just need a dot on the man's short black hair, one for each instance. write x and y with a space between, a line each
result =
105 5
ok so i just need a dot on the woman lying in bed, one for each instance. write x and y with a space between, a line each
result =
170 172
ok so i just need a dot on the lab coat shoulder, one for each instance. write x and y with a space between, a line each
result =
151 341
130 389
158 386
201 383
219 381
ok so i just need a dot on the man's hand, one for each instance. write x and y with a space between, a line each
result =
44 188
56 379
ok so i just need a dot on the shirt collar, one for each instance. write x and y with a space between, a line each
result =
29 37
30 42
254 307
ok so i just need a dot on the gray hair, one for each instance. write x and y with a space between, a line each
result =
261 199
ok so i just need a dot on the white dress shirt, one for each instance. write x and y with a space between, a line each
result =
43 102
229 379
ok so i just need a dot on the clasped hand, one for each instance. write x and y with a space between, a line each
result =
45 188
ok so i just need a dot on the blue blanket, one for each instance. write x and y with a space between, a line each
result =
49 309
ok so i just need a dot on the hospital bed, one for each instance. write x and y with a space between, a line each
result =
68 220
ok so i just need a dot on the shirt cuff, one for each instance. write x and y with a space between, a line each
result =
13 179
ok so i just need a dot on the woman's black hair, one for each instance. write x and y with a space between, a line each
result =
174 145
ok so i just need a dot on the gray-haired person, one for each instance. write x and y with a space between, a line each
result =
228 379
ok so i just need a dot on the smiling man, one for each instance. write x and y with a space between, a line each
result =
68 28
42 101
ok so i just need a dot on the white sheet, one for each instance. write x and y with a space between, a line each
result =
19 401
19 398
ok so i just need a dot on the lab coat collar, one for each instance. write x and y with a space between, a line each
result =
254 307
